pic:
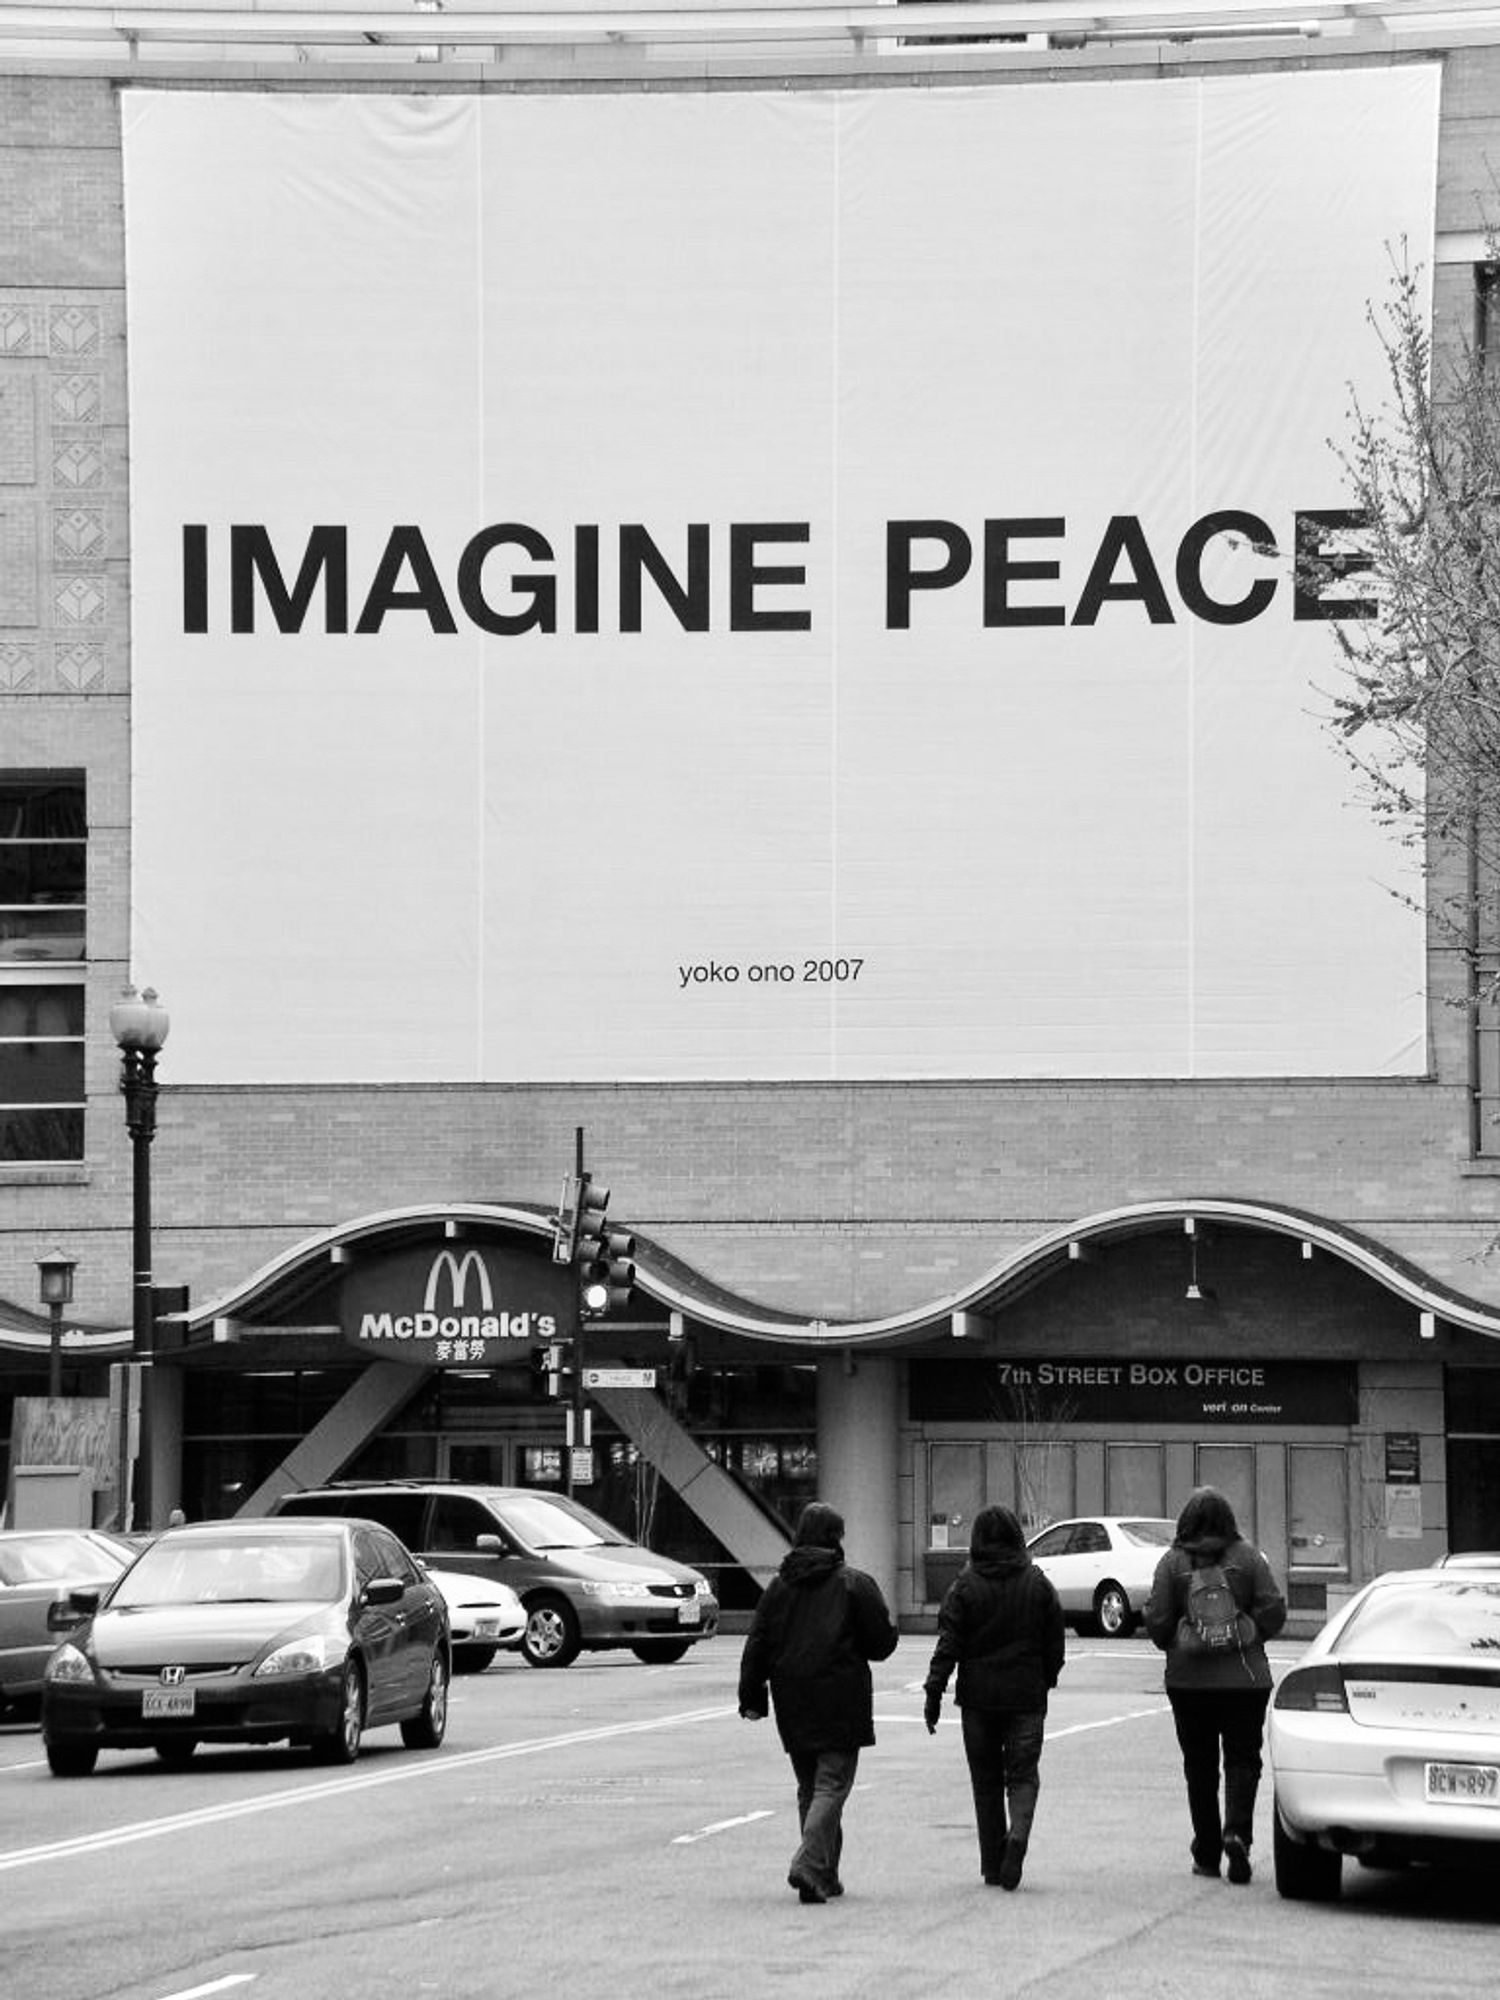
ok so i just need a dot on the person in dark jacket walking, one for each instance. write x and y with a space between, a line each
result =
1001 1625
1218 1696
817 1627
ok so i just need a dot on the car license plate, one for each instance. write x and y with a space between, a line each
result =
690 1613
168 1704
1465 1784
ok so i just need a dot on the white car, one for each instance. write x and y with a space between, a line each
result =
483 1617
1101 1567
1385 1737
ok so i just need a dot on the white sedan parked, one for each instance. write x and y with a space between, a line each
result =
484 1618
1385 1737
1102 1567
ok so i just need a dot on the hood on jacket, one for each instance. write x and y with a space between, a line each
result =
997 1544
817 1546
1206 1526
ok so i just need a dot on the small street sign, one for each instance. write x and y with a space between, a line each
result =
582 1456
619 1378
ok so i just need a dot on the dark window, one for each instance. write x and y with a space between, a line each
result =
43 866
1486 313
458 1522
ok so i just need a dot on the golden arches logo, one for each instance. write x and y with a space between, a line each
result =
458 1269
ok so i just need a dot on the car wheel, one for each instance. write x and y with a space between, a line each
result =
551 1637
1112 1612
661 1652
176 1751
340 1745
71 1760
426 1729
1305 1873
472 1659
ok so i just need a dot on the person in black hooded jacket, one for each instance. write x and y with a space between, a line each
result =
1218 1698
1001 1625
817 1627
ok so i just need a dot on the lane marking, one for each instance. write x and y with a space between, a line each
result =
720 1826
1108 1722
440 1766
213 1986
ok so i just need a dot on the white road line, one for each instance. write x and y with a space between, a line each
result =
719 1826
1109 1721
403 1773
213 1986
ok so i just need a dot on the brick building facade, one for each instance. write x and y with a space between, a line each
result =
806 1249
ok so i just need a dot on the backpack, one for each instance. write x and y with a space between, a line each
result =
1211 1622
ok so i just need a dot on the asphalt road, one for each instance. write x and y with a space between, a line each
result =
616 1829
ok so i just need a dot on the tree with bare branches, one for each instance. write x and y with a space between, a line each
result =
1418 712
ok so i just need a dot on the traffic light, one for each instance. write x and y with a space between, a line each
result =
608 1283
551 1368
588 1222
565 1223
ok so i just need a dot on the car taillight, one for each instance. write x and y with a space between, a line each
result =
1319 1687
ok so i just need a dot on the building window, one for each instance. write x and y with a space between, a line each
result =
1486 313
43 858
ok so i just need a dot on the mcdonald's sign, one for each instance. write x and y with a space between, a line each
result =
455 1304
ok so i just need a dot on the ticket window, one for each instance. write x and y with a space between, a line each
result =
1231 1469
955 1495
1318 1507
1135 1480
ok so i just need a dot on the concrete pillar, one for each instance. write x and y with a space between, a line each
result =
858 1458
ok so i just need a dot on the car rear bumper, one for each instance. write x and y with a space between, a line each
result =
602 1625
282 1705
1336 1777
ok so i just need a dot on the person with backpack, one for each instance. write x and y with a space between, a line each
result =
817 1627
1213 1605
1001 1624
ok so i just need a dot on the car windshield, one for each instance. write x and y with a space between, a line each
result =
212 1571
57 1558
1452 1614
1155 1534
542 1522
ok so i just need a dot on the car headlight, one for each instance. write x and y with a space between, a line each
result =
702 1588
70 1666
617 1593
310 1654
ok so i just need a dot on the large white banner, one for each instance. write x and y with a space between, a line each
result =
758 585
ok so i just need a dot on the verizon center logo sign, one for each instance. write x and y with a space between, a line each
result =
453 1304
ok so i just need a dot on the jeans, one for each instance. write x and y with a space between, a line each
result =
825 1778
1004 1750
1207 1718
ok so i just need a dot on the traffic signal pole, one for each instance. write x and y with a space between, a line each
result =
602 1261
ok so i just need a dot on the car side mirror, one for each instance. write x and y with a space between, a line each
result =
384 1590
66 1614
492 1545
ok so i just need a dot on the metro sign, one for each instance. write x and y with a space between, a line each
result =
455 1305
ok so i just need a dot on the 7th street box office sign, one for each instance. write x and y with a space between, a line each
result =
457 1305
693 584
1135 1390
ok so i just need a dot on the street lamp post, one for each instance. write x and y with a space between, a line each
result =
139 1024
56 1285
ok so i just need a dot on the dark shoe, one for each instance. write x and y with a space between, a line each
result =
835 1888
807 1889
992 1881
1011 1862
1238 1856
1200 1869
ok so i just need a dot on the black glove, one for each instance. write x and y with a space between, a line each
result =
932 1708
